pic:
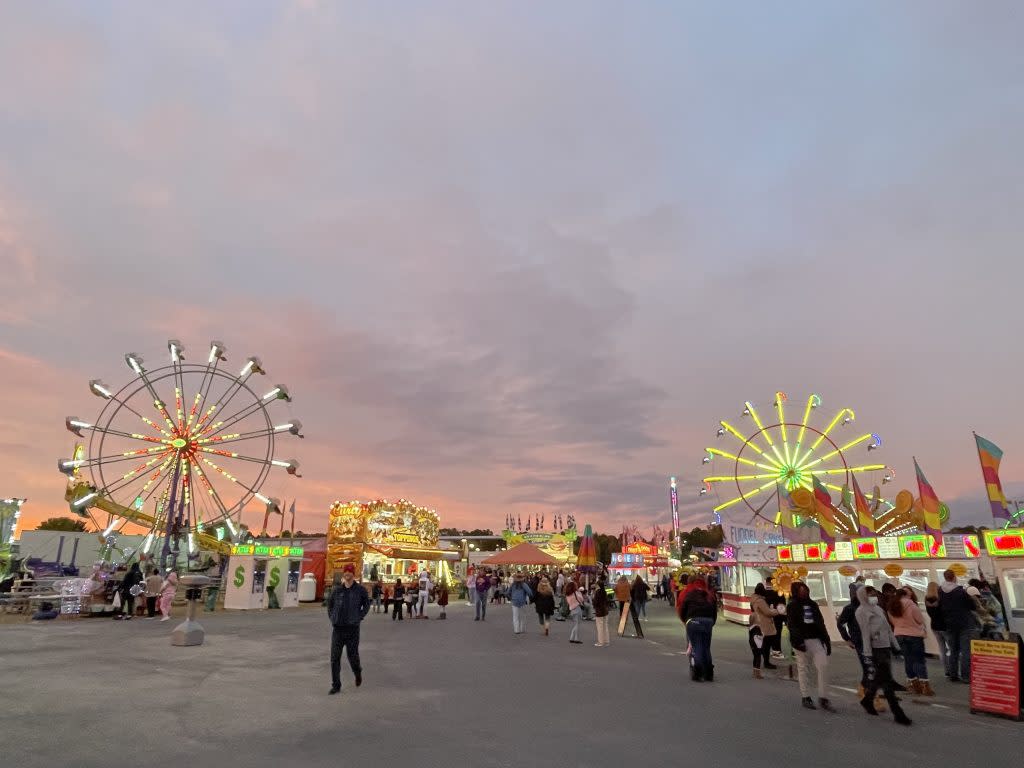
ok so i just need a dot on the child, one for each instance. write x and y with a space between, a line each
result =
410 600
442 599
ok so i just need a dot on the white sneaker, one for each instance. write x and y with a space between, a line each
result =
166 618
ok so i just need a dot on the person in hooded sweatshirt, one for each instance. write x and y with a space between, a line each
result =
849 630
957 609
879 644
809 636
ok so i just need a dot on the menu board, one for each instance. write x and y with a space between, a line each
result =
888 547
843 551
960 546
1008 542
914 546
995 677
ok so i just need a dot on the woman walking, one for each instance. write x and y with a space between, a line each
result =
909 628
544 602
879 644
167 591
398 598
762 630
482 585
378 594
572 597
600 603
153 584
622 593
697 611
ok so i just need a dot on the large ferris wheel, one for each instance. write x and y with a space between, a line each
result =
180 450
774 456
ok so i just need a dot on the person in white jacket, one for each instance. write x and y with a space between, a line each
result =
424 594
879 642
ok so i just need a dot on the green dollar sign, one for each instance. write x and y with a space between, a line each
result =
275 576
239 575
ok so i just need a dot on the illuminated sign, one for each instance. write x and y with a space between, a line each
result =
266 550
404 536
1008 542
798 553
785 554
914 546
865 549
813 552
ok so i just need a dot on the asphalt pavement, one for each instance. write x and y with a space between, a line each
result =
94 692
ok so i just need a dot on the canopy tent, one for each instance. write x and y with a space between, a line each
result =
521 554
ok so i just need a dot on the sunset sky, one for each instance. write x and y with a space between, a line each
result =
520 258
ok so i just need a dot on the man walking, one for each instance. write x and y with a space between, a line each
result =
519 594
809 636
957 609
347 605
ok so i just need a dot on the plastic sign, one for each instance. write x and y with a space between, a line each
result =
995 678
785 554
1008 542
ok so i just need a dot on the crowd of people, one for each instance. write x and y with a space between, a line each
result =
879 624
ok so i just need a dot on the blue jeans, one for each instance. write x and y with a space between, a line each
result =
698 632
913 657
481 606
958 645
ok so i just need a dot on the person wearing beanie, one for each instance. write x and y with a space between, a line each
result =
347 606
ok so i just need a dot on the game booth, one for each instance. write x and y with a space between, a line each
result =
648 561
909 560
263 576
1006 548
385 539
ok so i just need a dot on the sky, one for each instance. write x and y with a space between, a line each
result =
514 258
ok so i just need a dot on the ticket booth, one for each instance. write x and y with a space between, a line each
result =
1006 548
246 578
284 573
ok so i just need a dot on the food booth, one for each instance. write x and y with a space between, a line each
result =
1006 548
909 560
557 544
395 539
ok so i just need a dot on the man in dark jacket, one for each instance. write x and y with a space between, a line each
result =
957 610
347 605
809 636
849 629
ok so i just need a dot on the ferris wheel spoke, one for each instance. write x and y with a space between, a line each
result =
812 402
734 457
252 366
844 470
754 446
836 452
67 464
744 496
780 401
75 425
212 493
814 446
234 479
119 485
726 478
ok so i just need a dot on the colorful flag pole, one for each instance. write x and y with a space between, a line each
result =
865 520
826 514
989 454
930 502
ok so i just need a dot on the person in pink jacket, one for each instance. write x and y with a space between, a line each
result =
908 624
167 591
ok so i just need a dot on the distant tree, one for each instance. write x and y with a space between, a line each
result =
61 524
479 532
285 534
449 532
967 529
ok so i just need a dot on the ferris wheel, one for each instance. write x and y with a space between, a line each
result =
772 457
180 450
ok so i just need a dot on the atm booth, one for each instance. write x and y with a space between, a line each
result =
1006 548
255 567
917 556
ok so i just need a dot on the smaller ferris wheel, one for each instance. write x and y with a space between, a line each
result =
772 457
179 450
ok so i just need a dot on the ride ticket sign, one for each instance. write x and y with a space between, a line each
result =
995 677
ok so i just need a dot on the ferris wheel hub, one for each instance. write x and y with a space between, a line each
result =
179 443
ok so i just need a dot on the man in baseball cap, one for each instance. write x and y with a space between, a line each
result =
347 605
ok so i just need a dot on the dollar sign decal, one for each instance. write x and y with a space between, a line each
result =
239 575
275 576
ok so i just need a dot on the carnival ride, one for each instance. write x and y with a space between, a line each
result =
183 472
782 460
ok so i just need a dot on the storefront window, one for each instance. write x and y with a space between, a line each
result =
838 588
816 584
